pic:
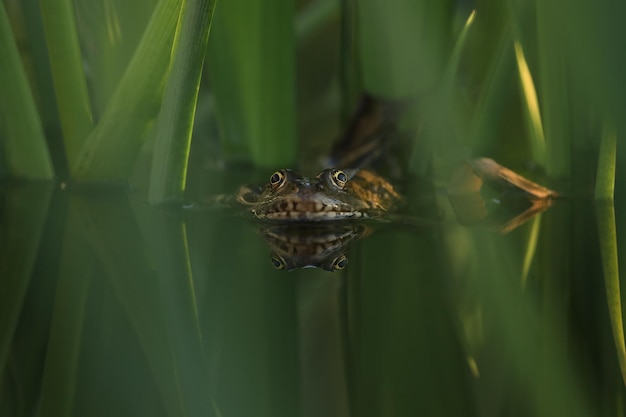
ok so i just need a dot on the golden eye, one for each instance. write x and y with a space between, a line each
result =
340 263
278 179
339 178
278 262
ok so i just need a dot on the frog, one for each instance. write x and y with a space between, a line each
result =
332 195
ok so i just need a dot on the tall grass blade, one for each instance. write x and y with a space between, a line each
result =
605 176
605 212
251 60
20 126
175 123
68 75
111 149
537 139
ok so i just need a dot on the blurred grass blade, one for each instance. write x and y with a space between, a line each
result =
60 372
403 45
252 66
20 127
605 212
111 149
24 213
452 65
175 123
494 95
533 114
67 71
605 177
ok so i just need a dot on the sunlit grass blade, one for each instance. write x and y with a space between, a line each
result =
110 151
59 383
529 92
252 68
21 132
68 75
605 176
24 213
608 248
175 123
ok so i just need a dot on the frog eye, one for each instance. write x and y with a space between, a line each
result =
340 263
278 179
339 178
278 262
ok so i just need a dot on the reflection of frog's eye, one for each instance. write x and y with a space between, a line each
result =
278 262
339 178
277 179
340 263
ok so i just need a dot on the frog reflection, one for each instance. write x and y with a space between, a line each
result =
322 245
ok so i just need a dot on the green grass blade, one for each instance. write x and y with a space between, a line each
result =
608 248
67 71
175 123
111 150
20 127
605 177
252 67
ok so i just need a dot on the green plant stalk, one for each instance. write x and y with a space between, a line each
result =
175 123
24 141
605 213
111 150
252 67
605 176
67 72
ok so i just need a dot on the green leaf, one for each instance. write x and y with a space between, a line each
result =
175 123
67 71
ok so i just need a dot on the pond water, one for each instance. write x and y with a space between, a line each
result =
111 307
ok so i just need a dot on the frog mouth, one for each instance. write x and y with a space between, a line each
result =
307 210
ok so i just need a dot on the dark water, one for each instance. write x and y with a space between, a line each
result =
111 307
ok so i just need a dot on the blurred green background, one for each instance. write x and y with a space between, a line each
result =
111 305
